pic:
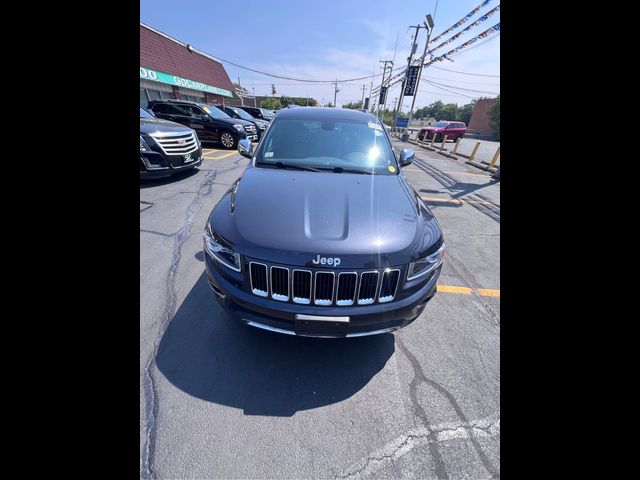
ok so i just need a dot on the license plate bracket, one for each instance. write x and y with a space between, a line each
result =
320 326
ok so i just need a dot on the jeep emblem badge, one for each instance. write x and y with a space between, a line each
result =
334 261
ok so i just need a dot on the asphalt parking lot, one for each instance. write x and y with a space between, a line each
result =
219 400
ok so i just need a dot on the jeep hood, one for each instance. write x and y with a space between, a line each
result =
292 216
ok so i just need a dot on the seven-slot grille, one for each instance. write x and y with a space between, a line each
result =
323 287
177 143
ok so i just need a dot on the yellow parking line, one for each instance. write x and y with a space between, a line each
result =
457 200
452 289
488 292
483 292
222 156
213 151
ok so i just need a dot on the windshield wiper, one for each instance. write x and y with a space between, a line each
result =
291 166
351 170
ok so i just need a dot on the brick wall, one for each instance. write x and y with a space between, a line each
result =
479 122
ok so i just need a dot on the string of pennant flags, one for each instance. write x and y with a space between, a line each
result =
396 78
482 35
462 20
457 35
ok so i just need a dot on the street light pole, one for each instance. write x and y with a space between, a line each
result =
404 81
428 24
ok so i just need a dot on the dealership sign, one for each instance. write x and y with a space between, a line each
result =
157 76
411 80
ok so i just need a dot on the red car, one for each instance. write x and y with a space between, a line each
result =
453 131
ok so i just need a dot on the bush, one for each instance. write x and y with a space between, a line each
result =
271 104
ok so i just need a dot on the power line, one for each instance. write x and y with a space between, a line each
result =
460 88
450 91
466 73
296 79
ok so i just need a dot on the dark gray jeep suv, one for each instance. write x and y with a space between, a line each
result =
322 235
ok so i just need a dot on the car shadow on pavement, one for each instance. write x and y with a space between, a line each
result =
211 356
176 177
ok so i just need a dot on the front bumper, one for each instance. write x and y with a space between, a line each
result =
157 165
280 317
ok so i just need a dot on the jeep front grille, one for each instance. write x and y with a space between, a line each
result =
179 143
250 128
322 287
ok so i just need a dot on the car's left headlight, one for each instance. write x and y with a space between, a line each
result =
425 265
262 126
144 146
220 252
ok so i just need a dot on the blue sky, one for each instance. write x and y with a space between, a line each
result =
328 39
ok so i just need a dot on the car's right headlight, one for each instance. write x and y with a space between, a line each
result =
426 264
220 252
240 128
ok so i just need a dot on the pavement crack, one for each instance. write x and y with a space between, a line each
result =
419 376
151 398
400 446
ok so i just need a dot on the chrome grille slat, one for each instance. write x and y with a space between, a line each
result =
301 286
389 285
346 289
258 279
323 293
368 287
280 283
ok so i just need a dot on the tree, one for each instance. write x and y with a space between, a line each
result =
271 104
352 105
494 117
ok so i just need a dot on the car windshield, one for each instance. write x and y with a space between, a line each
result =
242 114
440 124
145 114
331 144
265 113
215 112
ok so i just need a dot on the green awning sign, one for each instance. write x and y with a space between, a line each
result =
162 77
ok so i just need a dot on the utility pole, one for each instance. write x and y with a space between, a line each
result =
384 74
254 97
335 94
404 80
363 87
429 25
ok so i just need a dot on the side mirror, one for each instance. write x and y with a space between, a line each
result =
245 148
406 157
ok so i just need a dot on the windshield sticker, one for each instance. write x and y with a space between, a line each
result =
374 125
268 154
392 169
206 109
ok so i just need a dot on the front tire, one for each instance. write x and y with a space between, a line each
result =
228 140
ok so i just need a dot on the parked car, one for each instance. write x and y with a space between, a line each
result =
257 112
166 147
453 131
321 235
239 113
212 124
